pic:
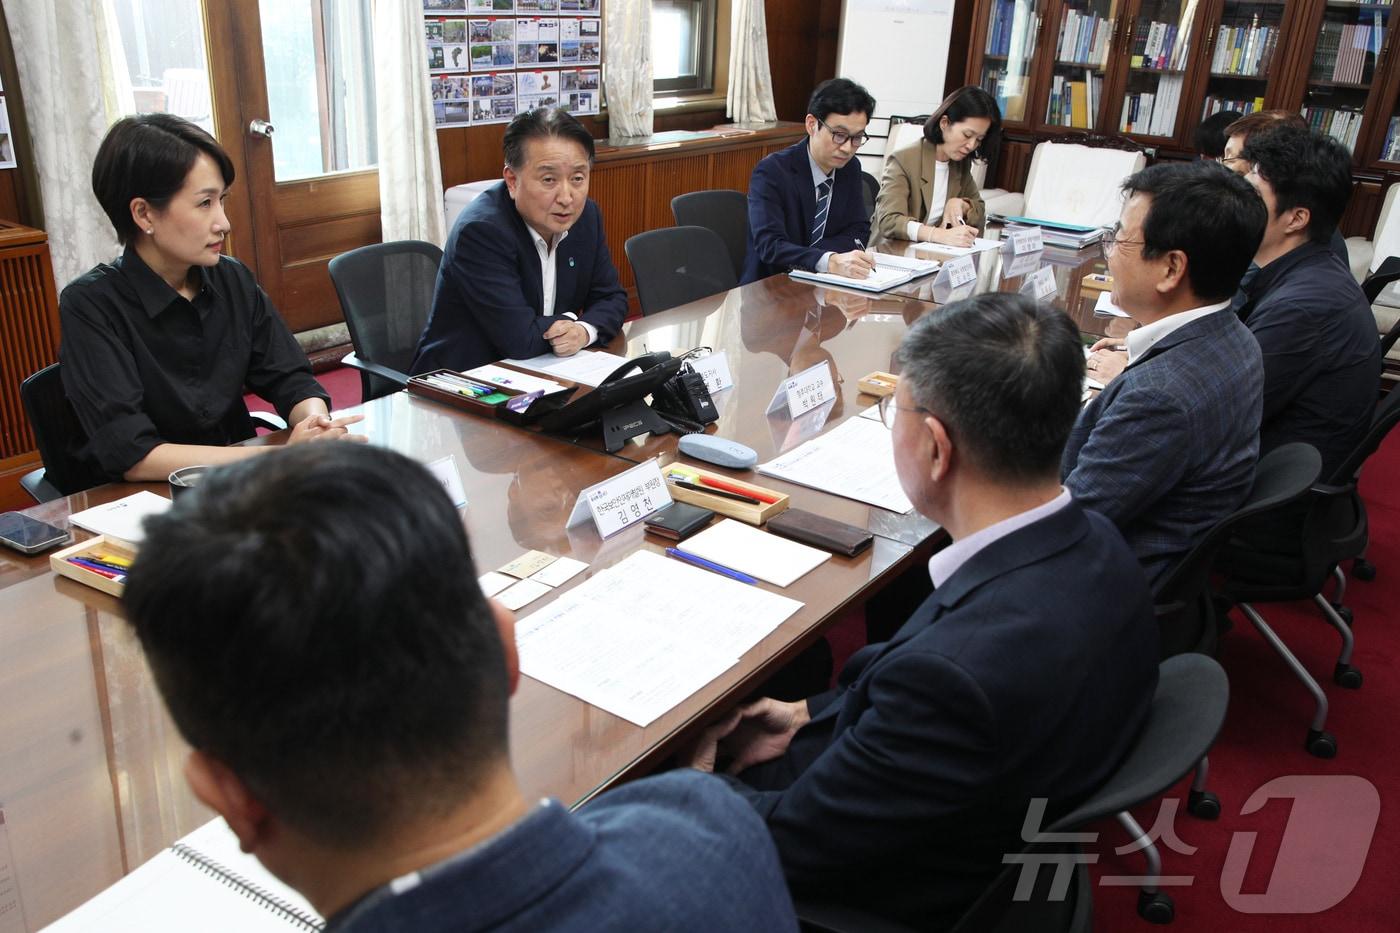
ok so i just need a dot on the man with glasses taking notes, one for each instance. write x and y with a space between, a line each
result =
806 207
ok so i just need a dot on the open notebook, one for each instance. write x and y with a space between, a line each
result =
202 882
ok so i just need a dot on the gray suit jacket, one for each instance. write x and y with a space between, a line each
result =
1168 448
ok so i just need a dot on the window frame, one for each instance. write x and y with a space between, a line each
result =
702 83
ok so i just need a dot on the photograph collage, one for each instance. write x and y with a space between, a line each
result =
489 59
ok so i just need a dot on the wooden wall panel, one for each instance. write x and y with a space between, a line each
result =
28 327
620 192
667 178
732 169
802 47
1364 209
1014 165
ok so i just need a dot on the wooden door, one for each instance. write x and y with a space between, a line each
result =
294 226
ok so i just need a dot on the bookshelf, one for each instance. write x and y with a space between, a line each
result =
1083 39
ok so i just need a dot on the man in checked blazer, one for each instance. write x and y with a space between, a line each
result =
806 206
526 270
1168 448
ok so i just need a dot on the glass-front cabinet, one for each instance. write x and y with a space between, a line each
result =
1012 31
1083 42
1159 50
1247 53
1342 71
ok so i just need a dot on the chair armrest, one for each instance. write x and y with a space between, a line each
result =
266 419
1376 282
1331 491
375 369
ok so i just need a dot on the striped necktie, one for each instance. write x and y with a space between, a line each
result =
823 204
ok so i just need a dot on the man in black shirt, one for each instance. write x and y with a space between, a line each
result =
1322 361
158 345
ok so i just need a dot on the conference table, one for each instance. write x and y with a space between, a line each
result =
91 783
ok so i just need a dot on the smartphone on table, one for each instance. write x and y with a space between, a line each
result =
29 535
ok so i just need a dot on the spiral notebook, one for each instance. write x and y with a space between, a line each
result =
202 882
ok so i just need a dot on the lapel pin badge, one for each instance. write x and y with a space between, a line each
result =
571 262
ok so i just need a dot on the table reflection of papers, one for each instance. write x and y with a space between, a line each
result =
854 460
644 635
788 432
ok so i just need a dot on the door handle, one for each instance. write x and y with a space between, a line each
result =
261 128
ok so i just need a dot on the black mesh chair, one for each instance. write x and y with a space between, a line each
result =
1187 712
676 265
870 191
725 212
386 292
59 437
1292 557
1186 616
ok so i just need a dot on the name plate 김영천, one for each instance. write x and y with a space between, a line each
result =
809 389
1041 285
714 369
622 500
956 273
1025 240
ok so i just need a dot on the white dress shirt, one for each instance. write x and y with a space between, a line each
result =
818 177
1147 336
946 562
549 251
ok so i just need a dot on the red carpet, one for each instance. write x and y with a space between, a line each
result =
1262 741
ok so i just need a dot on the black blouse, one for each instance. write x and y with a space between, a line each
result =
143 366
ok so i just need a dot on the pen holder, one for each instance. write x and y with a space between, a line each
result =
102 544
733 508
878 383
419 385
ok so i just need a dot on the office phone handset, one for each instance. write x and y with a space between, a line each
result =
619 402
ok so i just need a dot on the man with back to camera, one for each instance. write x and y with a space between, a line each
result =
806 203
1026 674
526 270
348 719
1168 448
1322 358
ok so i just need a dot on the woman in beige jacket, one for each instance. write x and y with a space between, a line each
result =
927 192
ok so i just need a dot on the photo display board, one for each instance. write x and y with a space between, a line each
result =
490 59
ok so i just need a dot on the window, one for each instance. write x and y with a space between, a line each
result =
164 52
683 46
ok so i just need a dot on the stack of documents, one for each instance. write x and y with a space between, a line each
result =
1073 236
644 635
854 460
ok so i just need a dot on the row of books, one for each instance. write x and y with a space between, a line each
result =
1244 50
1152 114
1161 46
1216 104
1390 151
1014 23
1342 125
1347 52
1073 102
1007 87
1084 38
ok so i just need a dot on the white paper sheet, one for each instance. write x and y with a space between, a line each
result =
521 594
757 553
122 518
939 249
855 459
640 637
492 582
587 367
1105 307
499 375
560 572
881 278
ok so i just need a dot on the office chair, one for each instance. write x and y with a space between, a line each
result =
386 292
1182 602
870 191
677 265
723 211
1291 558
1188 709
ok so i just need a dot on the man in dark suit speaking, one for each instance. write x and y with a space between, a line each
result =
526 270
806 208
1026 674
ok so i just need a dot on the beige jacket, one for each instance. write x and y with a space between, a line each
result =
906 188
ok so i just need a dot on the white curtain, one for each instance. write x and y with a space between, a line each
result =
410 175
750 79
76 84
628 68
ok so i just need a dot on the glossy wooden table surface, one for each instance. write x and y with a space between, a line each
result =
90 764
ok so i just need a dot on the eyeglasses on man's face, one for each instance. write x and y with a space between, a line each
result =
1113 238
841 137
889 410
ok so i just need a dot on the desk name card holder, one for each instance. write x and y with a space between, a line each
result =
806 391
1022 240
956 273
1041 285
622 500
1020 265
714 369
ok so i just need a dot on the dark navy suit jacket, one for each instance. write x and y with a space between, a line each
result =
678 852
1168 448
782 205
1026 674
489 287
1322 361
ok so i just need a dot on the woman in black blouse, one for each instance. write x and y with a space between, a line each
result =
158 345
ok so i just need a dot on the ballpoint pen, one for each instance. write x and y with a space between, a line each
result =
710 491
678 554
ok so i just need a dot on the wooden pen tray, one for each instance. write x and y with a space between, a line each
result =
743 511
100 544
420 386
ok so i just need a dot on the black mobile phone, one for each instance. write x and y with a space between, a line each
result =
29 535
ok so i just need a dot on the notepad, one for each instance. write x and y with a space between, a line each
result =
978 245
587 367
121 519
203 882
913 263
757 553
880 278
